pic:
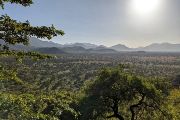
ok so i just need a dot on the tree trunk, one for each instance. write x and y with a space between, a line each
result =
115 108
132 107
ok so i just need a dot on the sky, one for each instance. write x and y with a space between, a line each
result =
105 22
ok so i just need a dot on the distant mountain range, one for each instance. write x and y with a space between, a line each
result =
163 47
55 48
84 45
74 50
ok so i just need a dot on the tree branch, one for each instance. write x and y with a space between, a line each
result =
132 107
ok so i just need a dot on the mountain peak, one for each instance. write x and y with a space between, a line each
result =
120 47
35 42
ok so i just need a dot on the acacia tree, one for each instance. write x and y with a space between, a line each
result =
13 32
119 94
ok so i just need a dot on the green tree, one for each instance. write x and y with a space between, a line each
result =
18 104
13 32
36 107
118 94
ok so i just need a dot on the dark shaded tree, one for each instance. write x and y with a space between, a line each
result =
118 94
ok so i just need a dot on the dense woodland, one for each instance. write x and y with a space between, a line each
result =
122 86
69 86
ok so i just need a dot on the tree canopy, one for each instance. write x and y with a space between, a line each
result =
118 94
13 32
22 2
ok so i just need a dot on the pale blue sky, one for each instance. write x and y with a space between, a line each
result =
106 22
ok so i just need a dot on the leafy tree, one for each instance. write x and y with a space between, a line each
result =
13 32
15 105
41 107
173 103
119 94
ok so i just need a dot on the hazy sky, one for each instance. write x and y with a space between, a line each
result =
106 22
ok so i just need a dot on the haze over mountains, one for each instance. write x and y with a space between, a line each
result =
51 47
155 47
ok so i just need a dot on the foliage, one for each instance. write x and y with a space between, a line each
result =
173 103
13 32
36 107
119 94
18 104
40 90
22 2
